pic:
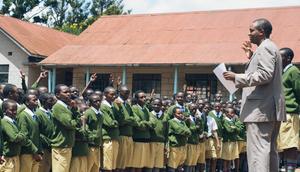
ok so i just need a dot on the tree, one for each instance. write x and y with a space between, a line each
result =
75 23
72 16
18 8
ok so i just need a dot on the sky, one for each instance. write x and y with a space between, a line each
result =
165 6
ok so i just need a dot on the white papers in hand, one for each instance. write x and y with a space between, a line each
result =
229 85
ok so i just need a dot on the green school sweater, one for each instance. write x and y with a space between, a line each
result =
196 129
12 138
291 89
230 131
1 140
125 118
46 127
110 128
30 128
160 131
95 122
186 111
81 146
65 123
219 121
1 112
242 130
178 133
142 131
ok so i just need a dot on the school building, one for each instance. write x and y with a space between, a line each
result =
167 51
23 45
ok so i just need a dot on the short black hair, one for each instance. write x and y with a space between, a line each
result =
264 25
6 104
44 97
93 95
287 52
137 93
108 89
8 89
58 88
157 99
27 95
175 108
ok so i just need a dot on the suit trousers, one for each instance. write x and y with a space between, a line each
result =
262 146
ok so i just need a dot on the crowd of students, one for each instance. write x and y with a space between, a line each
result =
67 131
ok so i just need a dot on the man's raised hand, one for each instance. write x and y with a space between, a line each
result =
247 47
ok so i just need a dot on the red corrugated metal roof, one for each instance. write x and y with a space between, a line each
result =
37 40
207 37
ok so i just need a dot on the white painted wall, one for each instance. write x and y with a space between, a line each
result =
15 62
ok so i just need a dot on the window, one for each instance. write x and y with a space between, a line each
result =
101 82
68 77
4 73
147 82
204 85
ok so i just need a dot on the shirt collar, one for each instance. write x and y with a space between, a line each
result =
228 119
44 110
140 106
62 103
177 120
192 118
159 113
29 112
95 110
178 105
220 114
106 103
287 67
9 119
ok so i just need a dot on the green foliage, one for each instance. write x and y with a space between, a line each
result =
75 28
72 16
18 8
76 23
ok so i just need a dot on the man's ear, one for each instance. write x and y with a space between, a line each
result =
289 59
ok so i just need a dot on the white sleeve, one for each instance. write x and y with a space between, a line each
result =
214 125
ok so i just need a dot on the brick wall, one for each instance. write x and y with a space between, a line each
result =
167 75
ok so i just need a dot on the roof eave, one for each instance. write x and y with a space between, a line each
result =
134 65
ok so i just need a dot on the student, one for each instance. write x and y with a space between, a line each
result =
241 162
141 134
193 153
126 120
31 153
46 127
12 137
80 148
110 130
65 123
177 139
212 144
94 119
230 146
218 117
203 136
288 138
158 135
10 92
179 97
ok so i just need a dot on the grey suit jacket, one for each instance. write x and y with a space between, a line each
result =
262 98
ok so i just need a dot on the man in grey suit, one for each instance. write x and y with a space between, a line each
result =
263 105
